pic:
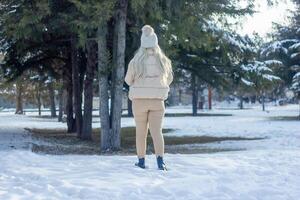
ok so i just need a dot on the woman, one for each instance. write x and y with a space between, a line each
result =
149 75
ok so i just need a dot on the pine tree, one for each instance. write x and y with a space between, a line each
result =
285 47
187 28
261 77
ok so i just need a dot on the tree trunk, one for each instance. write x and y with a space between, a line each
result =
129 108
70 113
38 98
19 98
60 103
69 101
103 88
180 96
76 87
121 16
209 98
195 94
241 102
202 99
299 107
172 96
263 100
52 99
114 67
88 91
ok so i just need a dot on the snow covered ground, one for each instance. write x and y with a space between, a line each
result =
267 175
268 169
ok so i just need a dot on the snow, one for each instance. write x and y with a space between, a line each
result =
229 38
270 77
245 67
296 82
48 81
209 26
174 37
295 67
295 55
253 175
267 169
273 48
273 62
295 46
12 11
261 69
247 82
278 46
297 75
238 42
35 77
257 67
191 55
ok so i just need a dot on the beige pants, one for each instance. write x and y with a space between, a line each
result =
149 113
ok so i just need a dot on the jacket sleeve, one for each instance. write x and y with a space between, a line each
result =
129 77
170 78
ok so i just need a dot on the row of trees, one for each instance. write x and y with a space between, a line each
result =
81 48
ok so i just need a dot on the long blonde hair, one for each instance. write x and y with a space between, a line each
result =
139 64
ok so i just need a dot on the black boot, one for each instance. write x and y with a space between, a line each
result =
160 163
141 163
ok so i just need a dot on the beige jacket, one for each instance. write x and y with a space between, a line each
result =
150 86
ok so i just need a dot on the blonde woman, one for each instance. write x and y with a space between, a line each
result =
149 75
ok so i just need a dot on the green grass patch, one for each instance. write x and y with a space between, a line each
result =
234 109
166 115
58 141
285 118
198 115
191 115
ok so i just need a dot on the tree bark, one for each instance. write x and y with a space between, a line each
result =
299 107
194 95
263 102
121 16
129 108
114 67
103 88
76 88
38 98
60 103
209 98
180 96
172 96
19 98
241 103
262 97
69 100
52 99
88 91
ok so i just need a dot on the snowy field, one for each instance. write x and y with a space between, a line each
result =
268 169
